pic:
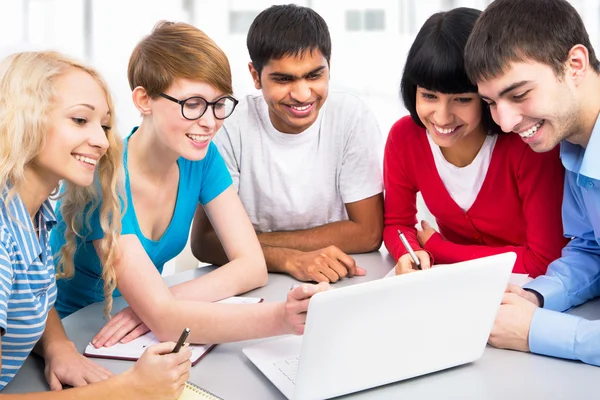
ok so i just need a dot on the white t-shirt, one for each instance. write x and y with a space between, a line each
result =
300 181
464 183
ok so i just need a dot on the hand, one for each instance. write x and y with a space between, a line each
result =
425 233
160 374
324 265
406 264
297 305
519 291
65 366
124 327
511 328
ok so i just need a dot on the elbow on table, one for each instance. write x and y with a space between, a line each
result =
372 240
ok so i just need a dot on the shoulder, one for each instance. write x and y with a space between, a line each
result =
406 129
245 115
347 104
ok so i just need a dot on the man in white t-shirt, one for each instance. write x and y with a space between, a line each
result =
306 162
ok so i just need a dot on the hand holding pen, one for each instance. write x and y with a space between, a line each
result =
412 260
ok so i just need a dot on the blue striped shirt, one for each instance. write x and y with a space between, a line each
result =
27 282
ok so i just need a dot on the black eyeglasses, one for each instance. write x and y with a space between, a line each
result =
195 107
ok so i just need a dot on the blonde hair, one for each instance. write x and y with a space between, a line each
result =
177 50
27 94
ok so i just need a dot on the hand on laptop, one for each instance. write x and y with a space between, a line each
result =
406 265
124 327
324 265
519 291
297 305
511 328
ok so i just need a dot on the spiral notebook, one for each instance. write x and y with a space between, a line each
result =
195 392
133 350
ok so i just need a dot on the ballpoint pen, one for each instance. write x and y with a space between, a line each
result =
409 249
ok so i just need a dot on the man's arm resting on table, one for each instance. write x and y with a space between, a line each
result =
360 234
204 241
565 336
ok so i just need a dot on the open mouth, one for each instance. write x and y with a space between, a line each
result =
84 159
198 138
445 131
301 110
531 131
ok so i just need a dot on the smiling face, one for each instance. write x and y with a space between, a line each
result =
76 137
529 99
188 139
449 118
294 88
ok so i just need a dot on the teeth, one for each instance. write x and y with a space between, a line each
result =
531 131
87 160
444 131
199 138
303 108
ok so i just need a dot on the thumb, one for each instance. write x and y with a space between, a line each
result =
53 381
161 348
425 224
509 298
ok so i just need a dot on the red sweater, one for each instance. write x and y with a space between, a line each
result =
517 209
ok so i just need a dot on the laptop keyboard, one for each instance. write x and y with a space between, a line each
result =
288 367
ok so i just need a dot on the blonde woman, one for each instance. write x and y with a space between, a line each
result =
181 85
55 125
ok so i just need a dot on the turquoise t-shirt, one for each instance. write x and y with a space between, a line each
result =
199 181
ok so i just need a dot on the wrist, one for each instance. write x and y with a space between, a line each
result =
536 297
57 347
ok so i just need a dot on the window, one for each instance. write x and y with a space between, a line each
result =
240 21
365 20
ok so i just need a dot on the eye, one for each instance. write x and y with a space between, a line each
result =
282 79
428 96
106 128
464 100
79 121
314 77
520 97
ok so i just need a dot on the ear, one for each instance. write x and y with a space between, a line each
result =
255 76
142 101
578 63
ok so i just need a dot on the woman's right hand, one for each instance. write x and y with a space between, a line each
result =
406 264
160 374
296 306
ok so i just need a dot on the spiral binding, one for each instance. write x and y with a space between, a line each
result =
202 392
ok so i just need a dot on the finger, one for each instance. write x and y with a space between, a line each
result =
106 333
425 224
161 348
134 334
360 271
77 381
99 370
53 382
346 260
114 321
123 330
424 259
510 298
332 269
306 291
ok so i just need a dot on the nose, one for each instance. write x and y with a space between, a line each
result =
443 115
506 116
98 139
301 91
208 121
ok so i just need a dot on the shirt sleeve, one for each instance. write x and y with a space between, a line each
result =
540 187
215 176
566 336
574 278
361 176
225 144
6 278
400 202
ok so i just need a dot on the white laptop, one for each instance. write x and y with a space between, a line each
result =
383 331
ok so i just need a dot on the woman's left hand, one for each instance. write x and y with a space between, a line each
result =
425 233
123 327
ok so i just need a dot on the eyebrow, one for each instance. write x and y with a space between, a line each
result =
282 75
91 107
507 89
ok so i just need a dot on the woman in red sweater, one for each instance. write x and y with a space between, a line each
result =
489 192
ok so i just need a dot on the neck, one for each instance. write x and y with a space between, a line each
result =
588 113
463 152
148 155
35 190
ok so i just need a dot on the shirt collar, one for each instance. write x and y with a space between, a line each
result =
583 161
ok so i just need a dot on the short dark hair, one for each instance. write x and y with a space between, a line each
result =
435 61
286 30
520 30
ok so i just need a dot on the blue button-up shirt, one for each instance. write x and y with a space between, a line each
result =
574 278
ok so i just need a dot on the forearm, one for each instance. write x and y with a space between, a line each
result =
565 336
348 236
208 248
277 257
115 388
446 252
53 333
393 243
216 322
238 276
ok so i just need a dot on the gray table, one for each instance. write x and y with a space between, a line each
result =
499 374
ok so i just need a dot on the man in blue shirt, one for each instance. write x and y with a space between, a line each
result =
535 66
